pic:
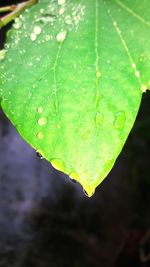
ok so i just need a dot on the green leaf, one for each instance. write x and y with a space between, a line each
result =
72 81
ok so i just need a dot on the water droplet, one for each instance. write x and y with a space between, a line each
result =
48 37
99 118
85 193
74 176
61 11
33 36
42 121
58 164
2 54
134 66
88 195
61 36
39 155
18 23
61 2
40 109
137 74
120 119
74 181
144 88
68 19
37 30
40 135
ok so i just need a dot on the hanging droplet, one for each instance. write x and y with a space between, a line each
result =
88 195
58 164
39 155
85 193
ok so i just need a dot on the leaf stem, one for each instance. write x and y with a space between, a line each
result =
15 12
7 8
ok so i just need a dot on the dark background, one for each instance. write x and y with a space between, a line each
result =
46 220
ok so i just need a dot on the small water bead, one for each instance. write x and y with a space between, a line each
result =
119 120
99 118
33 36
61 11
18 23
41 10
137 74
2 54
40 109
37 30
134 66
61 2
68 20
61 36
48 37
42 121
58 164
40 135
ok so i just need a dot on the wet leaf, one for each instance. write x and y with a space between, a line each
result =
72 80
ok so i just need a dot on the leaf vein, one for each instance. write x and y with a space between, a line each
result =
134 14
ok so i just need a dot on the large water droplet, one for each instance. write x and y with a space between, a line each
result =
42 121
119 120
99 118
58 164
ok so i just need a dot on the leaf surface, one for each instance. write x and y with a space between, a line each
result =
72 80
